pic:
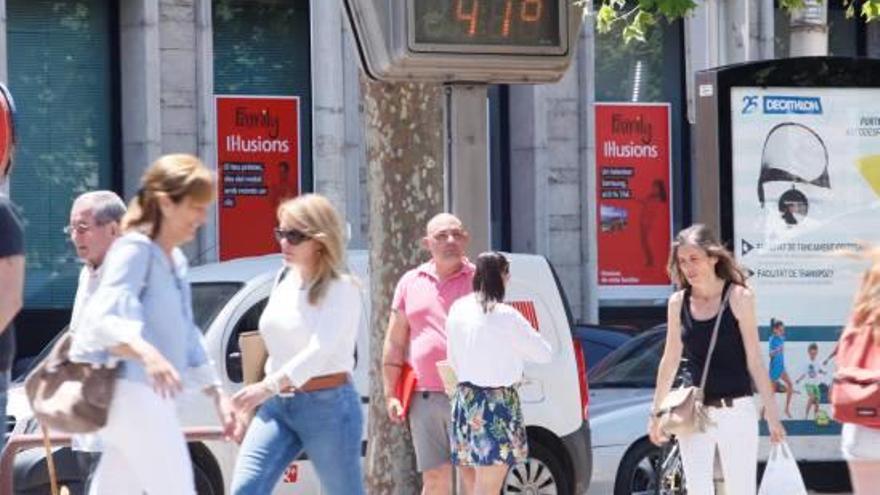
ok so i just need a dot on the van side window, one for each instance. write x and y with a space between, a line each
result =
250 320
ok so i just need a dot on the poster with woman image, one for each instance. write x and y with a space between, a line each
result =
806 185
632 194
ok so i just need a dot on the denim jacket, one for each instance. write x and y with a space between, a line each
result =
144 293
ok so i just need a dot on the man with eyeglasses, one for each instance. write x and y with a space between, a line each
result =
417 335
95 219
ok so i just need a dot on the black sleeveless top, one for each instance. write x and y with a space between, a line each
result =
728 371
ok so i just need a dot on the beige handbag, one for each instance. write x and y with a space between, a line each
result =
253 356
682 410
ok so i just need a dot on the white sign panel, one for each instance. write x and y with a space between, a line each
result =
806 182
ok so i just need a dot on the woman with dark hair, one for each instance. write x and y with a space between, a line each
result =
713 286
488 433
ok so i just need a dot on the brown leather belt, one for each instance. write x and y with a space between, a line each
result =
722 401
320 383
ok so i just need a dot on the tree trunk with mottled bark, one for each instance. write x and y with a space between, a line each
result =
404 142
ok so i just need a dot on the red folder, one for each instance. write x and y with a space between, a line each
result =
406 385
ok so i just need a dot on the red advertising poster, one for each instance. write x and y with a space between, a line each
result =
257 167
633 199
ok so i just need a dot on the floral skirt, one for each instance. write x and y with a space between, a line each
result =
487 426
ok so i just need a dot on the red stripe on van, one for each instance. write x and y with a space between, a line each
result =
527 309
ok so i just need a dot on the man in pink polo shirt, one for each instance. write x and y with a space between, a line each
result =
417 329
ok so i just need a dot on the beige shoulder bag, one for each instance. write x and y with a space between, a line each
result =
682 410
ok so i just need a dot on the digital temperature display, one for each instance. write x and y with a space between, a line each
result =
494 26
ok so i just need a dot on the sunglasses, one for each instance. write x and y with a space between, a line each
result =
292 236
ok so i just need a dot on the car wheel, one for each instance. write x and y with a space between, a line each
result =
204 484
540 474
639 471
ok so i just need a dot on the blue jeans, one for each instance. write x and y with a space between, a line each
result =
326 424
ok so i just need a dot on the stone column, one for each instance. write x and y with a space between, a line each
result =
546 163
354 151
206 134
328 96
177 52
140 88
587 151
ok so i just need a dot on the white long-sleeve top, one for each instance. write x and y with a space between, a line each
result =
305 341
490 349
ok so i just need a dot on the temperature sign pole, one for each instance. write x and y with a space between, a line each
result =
466 44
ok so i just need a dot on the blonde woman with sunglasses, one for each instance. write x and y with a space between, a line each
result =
307 401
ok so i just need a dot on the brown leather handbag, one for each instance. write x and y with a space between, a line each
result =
682 410
70 397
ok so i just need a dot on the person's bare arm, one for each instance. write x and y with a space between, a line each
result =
393 357
12 279
668 364
742 302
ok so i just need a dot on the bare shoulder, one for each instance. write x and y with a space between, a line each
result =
741 295
676 300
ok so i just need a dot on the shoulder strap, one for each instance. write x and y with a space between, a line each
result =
281 275
721 308
685 309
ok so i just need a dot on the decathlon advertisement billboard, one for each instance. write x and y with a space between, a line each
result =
633 157
258 153
806 182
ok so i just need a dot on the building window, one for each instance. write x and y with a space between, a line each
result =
263 48
62 76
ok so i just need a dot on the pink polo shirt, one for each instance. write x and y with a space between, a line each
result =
425 301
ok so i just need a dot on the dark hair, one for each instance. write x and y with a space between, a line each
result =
698 235
774 323
492 266
813 346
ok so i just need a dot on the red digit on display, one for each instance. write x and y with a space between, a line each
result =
508 13
531 10
461 14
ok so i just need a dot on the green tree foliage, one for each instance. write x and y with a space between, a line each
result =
636 17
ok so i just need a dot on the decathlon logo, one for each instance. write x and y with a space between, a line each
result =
792 104
750 104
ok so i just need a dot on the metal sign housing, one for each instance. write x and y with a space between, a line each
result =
475 41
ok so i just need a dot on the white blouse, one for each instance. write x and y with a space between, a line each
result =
490 349
305 341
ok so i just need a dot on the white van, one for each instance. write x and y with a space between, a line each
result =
229 297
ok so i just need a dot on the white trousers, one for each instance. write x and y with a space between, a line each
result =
144 446
735 433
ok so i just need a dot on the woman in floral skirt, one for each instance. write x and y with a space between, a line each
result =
488 433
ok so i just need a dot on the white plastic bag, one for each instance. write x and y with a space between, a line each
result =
782 476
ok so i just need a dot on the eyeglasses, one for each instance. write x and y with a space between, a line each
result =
292 236
80 228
